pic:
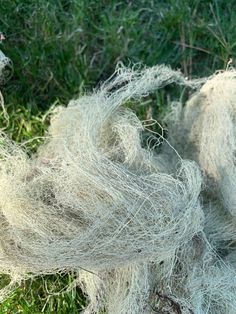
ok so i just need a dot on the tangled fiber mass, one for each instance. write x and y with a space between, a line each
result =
146 229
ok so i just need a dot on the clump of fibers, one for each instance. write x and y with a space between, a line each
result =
129 221
205 131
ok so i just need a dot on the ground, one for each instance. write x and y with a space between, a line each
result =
62 49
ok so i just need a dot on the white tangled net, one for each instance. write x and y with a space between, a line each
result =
147 230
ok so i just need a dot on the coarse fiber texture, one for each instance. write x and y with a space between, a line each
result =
131 221
205 131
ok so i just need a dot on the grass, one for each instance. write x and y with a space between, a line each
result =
63 48
48 294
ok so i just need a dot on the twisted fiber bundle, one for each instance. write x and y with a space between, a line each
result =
128 220
205 131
